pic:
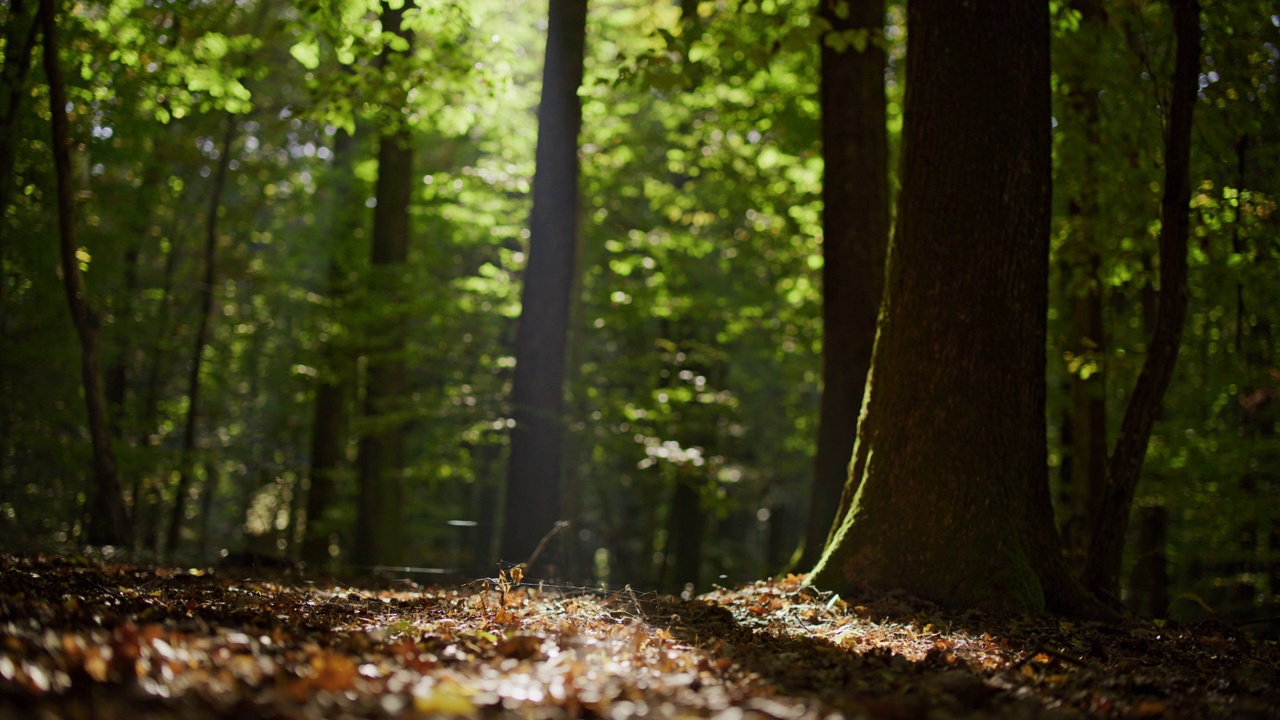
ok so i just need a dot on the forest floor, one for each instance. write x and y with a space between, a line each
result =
88 639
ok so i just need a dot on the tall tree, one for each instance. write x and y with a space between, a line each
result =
1106 545
533 475
1084 466
330 412
186 470
954 499
855 233
380 453
19 42
108 522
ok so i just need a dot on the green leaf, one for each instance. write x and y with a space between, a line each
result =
397 43
307 53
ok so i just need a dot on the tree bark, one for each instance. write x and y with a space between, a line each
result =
187 461
1106 546
380 454
855 235
954 499
534 470
108 522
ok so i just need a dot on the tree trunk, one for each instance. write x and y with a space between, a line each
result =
380 455
954 499
146 500
1088 418
1084 437
533 474
19 41
686 527
855 234
108 523
117 374
327 430
1151 574
1106 546
187 461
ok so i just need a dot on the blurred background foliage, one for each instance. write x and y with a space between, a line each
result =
696 336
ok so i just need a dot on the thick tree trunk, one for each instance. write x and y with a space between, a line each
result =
178 516
534 470
1106 547
328 437
855 234
954 499
380 455
108 523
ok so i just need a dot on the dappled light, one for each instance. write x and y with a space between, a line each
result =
121 639
632 358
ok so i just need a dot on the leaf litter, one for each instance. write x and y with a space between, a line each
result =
91 639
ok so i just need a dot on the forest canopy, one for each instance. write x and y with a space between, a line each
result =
264 267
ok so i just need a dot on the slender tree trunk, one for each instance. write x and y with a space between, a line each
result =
1084 465
534 472
187 461
19 42
117 375
380 454
1088 416
1151 572
1106 548
855 234
108 523
686 528
145 486
207 500
328 437
954 499
1237 244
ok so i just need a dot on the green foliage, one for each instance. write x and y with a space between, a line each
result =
695 353
1218 428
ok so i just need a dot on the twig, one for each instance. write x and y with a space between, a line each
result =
560 525
1042 650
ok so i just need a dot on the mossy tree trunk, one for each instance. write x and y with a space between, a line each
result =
855 233
954 503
